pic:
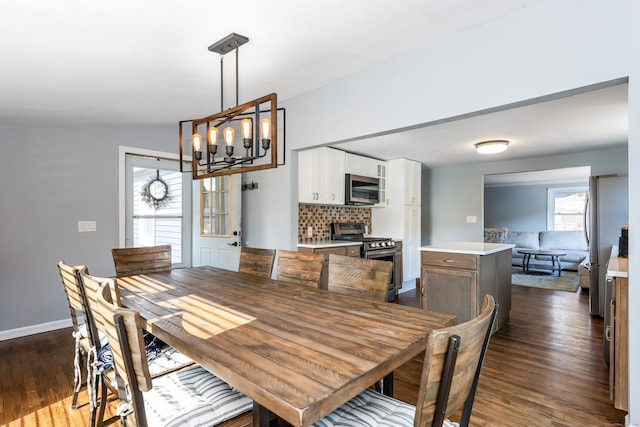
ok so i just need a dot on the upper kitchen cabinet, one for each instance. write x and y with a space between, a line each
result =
412 178
321 176
360 165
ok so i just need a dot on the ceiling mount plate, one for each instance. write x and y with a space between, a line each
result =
229 43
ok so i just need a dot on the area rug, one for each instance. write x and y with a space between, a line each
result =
569 281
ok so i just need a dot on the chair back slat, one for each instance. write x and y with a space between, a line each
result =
304 268
130 261
68 274
472 339
256 261
133 354
91 285
368 278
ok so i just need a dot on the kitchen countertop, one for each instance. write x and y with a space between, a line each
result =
471 248
618 267
327 244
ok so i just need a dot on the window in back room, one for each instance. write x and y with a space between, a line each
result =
565 208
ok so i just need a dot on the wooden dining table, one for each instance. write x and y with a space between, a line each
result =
296 351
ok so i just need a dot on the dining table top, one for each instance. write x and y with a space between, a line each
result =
298 351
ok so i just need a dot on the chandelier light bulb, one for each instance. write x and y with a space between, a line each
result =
213 135
265 127
229 135
196 140
245 126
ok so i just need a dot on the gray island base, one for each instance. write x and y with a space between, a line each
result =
455 276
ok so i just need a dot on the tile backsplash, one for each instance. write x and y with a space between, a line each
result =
320 217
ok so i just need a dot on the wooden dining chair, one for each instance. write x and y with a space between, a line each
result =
256 261
163 359
89 340
191 396
304 268
450 373
368 278
142 260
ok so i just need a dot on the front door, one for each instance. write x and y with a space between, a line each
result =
216 221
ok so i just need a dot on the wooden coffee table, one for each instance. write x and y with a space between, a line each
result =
554 255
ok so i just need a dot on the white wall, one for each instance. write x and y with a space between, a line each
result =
634 218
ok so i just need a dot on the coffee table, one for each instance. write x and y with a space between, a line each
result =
554 255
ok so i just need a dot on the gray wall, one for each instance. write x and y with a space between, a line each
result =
456 192
49 180
519 207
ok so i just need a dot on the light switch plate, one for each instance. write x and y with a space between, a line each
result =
472 219
86 226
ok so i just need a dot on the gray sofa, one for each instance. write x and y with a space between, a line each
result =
571 242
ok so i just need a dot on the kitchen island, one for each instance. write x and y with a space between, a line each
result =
455 276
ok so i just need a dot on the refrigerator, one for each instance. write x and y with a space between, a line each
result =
607 212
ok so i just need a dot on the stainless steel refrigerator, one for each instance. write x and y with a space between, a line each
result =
607 212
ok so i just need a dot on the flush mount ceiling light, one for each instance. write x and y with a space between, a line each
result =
255 123
492 147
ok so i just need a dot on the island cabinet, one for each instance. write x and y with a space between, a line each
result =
326 249
618 330
455 278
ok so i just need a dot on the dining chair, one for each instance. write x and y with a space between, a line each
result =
256 261
162 359
141 260
304 268
368 278
191 396
88 340
450 373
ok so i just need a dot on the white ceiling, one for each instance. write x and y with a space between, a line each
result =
78 63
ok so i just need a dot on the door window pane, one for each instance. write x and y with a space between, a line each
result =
215 207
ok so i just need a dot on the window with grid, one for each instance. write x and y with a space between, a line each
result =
215 207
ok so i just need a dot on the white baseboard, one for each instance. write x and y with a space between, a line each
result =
34 329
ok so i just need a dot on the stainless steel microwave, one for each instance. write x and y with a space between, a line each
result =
361 190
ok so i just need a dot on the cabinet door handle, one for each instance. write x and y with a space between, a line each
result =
448 260
607 333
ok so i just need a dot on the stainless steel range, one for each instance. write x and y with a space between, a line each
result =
381 248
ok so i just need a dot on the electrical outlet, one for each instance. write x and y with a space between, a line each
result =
309 231
472 219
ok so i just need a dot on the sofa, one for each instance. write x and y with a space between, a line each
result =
571 242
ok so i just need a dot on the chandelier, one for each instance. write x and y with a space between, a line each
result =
240 139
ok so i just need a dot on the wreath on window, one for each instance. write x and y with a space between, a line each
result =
155 193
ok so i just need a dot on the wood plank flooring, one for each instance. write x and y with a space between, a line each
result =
543 368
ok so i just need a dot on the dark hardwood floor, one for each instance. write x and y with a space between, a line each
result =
543 368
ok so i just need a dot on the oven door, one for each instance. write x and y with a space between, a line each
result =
386 255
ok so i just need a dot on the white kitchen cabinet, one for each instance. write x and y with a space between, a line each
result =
360 165
401 218
411 241
381 174
321 176
412 177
